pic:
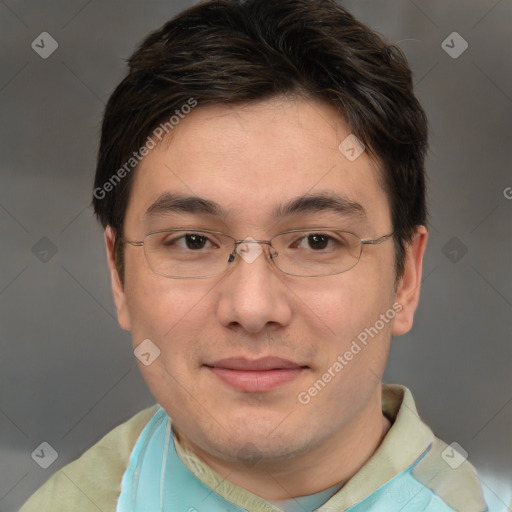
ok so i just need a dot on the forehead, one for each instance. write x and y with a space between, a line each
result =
251 163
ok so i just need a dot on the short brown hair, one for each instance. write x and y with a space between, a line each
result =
231 51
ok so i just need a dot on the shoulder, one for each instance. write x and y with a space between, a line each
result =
93 481
442 477
450 477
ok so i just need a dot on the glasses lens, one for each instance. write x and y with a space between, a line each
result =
180 253
316 252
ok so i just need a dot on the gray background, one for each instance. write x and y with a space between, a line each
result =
68 374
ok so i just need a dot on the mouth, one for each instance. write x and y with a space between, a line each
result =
255 376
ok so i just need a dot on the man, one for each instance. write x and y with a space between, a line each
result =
261 184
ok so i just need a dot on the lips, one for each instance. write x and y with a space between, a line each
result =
255 376
265 363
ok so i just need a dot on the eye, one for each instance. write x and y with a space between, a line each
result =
318 241
192 241
315 241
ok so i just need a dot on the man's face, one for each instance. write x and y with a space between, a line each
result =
249 160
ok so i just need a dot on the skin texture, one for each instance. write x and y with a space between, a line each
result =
249 158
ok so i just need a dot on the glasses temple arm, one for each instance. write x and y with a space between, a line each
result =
376 240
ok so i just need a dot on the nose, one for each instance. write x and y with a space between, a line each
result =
252 296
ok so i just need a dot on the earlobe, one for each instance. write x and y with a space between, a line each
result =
408 289
118 292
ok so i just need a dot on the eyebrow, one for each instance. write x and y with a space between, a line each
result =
169 203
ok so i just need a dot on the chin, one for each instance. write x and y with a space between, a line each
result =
248 443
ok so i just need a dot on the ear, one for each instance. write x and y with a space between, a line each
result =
123 316
408 289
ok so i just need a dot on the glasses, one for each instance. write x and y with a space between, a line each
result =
181 253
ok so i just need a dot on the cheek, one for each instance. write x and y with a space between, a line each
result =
172 314
341 307
354 341
347 309
164 309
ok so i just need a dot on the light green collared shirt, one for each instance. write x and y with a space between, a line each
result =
93 482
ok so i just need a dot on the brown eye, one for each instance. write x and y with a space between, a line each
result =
318 241
191 241
194 241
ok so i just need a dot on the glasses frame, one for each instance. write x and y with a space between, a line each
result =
271 256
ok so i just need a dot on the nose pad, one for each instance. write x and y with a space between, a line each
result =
271 254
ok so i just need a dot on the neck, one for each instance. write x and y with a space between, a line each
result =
336 460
